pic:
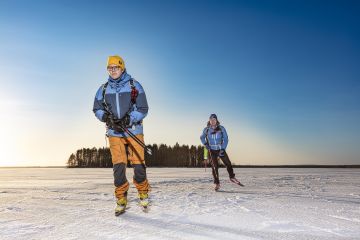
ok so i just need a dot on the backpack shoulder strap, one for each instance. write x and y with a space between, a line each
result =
206 135
131 81
103 95
104 88
134 91
207 130
222 135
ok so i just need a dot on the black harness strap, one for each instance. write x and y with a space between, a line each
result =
134 91
103 96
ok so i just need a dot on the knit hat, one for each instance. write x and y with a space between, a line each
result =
116 60
213 116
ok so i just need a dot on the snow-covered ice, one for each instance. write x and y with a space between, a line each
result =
276 203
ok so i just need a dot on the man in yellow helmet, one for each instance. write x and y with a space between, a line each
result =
121 103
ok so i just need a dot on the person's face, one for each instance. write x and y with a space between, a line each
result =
114 71
213 121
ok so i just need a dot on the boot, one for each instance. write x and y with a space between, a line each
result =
144 200
120 206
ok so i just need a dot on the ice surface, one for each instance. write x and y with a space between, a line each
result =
56 203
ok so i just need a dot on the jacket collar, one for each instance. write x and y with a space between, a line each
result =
120 82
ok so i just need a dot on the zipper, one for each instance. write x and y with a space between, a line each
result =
117 105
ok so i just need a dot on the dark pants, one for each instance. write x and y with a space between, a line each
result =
214 154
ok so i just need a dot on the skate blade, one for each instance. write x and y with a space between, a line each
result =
238 183
145 209
119 213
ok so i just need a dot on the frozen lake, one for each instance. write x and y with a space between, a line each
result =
60 203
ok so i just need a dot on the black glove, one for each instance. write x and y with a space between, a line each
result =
207 146
110 122
125 121
222 153
118 124
105 117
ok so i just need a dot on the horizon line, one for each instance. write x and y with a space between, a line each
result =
235 165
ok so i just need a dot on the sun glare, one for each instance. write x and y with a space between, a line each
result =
9 151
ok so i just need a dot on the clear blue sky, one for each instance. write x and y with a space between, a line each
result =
283 76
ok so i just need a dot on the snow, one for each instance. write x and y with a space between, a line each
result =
276 203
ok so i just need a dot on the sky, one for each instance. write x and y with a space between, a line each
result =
282 76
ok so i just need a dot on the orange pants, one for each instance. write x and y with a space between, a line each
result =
120 155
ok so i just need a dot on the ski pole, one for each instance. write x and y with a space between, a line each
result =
148 150
206 157
212 164
124 129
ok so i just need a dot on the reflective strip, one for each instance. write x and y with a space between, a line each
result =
117 105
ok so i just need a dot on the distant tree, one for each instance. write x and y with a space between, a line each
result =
162 156
72 161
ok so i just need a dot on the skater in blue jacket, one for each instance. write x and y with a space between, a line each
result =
215 139
121 104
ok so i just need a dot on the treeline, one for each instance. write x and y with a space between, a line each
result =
163 156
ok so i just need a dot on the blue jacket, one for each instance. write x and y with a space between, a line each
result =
118 101
217 139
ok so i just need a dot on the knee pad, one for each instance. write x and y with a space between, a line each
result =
139 172
119 174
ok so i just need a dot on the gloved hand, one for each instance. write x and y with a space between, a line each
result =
222 153
108 120
118 124
125 121
105 117
207 146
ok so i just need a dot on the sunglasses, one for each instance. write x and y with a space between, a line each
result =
113 69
